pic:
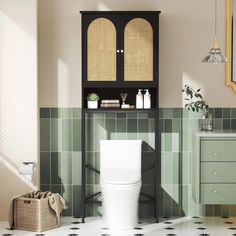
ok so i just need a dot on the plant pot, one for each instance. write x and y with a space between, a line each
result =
92 104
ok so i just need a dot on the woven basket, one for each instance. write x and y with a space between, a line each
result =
34 215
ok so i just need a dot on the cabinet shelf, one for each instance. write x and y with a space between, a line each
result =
118 110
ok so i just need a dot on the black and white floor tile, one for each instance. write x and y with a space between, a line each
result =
187 226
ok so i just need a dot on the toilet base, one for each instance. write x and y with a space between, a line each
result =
120 205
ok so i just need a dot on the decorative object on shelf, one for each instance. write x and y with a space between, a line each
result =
123 98
195 102
139 99
92 101
110 103
147 100
215 55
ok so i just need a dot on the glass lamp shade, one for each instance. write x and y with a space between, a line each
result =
215 55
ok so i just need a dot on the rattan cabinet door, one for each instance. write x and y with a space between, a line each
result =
138 50
101 50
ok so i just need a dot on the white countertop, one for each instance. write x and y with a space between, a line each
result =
215 133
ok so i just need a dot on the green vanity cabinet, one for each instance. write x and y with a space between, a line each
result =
214 169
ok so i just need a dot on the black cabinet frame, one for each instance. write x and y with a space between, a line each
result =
120 19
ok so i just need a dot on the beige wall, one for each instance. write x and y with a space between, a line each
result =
186 34
18 97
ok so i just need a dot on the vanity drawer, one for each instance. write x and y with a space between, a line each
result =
218 194
218 172
218 150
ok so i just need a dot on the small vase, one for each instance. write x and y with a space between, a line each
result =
207 121
92 104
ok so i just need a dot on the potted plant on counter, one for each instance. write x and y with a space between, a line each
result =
195 102
92 101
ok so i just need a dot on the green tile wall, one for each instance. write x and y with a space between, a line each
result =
61 152
60 146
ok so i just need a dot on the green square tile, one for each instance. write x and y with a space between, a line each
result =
121 129
56 168
67 194
132 125
77 200
226 123
100 132
162 113
218 113
217 123
67 135
176 125
152 115
185 113
132 115
56 136
233 113
185 168
45 166
209 210
45 113
77 113
177 112
90 138
66 113
66 167
110 128
110 115
55 112
162 125
226 113
142 125
98 116
225 210
168 125
77 135
233 123
120 115
166 139
142 115
76 168
168 113
121 125
166 168
45 134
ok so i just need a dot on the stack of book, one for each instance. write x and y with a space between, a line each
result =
110 103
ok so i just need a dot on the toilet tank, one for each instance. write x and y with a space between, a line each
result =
120 155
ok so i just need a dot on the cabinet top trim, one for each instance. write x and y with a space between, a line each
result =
120 12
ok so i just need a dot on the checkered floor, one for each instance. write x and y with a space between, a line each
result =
187 226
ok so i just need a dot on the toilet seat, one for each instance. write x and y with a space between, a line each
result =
120 177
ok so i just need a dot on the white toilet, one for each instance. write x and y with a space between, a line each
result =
120 181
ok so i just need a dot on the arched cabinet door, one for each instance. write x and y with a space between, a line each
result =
138 50
101 50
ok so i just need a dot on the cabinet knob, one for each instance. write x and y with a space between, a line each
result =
118 50
215 154
215 172
214 191
121 51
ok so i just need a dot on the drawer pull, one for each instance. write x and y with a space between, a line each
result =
214 191
215 173
215 154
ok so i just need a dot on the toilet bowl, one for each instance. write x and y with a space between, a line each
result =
120 181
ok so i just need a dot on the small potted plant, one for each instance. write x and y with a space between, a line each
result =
195 102
92 101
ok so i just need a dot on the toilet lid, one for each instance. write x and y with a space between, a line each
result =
120 177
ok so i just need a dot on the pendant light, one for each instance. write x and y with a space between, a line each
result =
215 55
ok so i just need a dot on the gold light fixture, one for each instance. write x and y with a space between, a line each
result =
215 54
